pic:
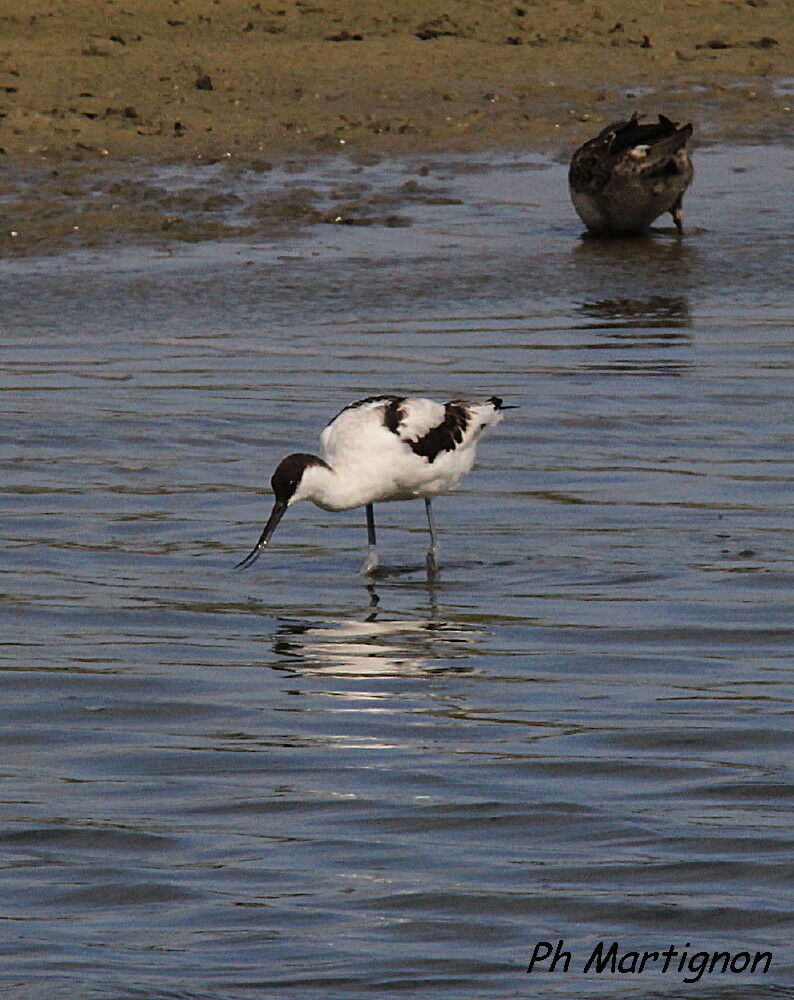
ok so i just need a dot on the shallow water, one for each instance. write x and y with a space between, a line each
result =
288 783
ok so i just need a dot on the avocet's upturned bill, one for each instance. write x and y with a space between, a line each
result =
380 449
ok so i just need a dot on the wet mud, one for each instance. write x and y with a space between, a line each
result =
57 209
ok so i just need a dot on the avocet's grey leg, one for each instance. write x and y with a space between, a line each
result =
371 562
432 552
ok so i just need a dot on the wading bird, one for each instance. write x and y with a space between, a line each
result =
384 448
630 174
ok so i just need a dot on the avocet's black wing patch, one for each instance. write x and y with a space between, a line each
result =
387 398
445 436
421 427
393 414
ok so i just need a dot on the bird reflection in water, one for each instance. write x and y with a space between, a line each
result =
626 314
638 262
657 327
375 646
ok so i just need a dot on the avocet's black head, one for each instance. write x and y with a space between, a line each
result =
285 482
287 477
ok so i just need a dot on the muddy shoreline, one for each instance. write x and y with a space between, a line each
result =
91 95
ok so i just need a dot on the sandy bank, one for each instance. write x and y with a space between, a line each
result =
165 79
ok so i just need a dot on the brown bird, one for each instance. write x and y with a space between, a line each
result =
630 174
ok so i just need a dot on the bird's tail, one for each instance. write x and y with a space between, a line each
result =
662 154
670 144
487 411
498 404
